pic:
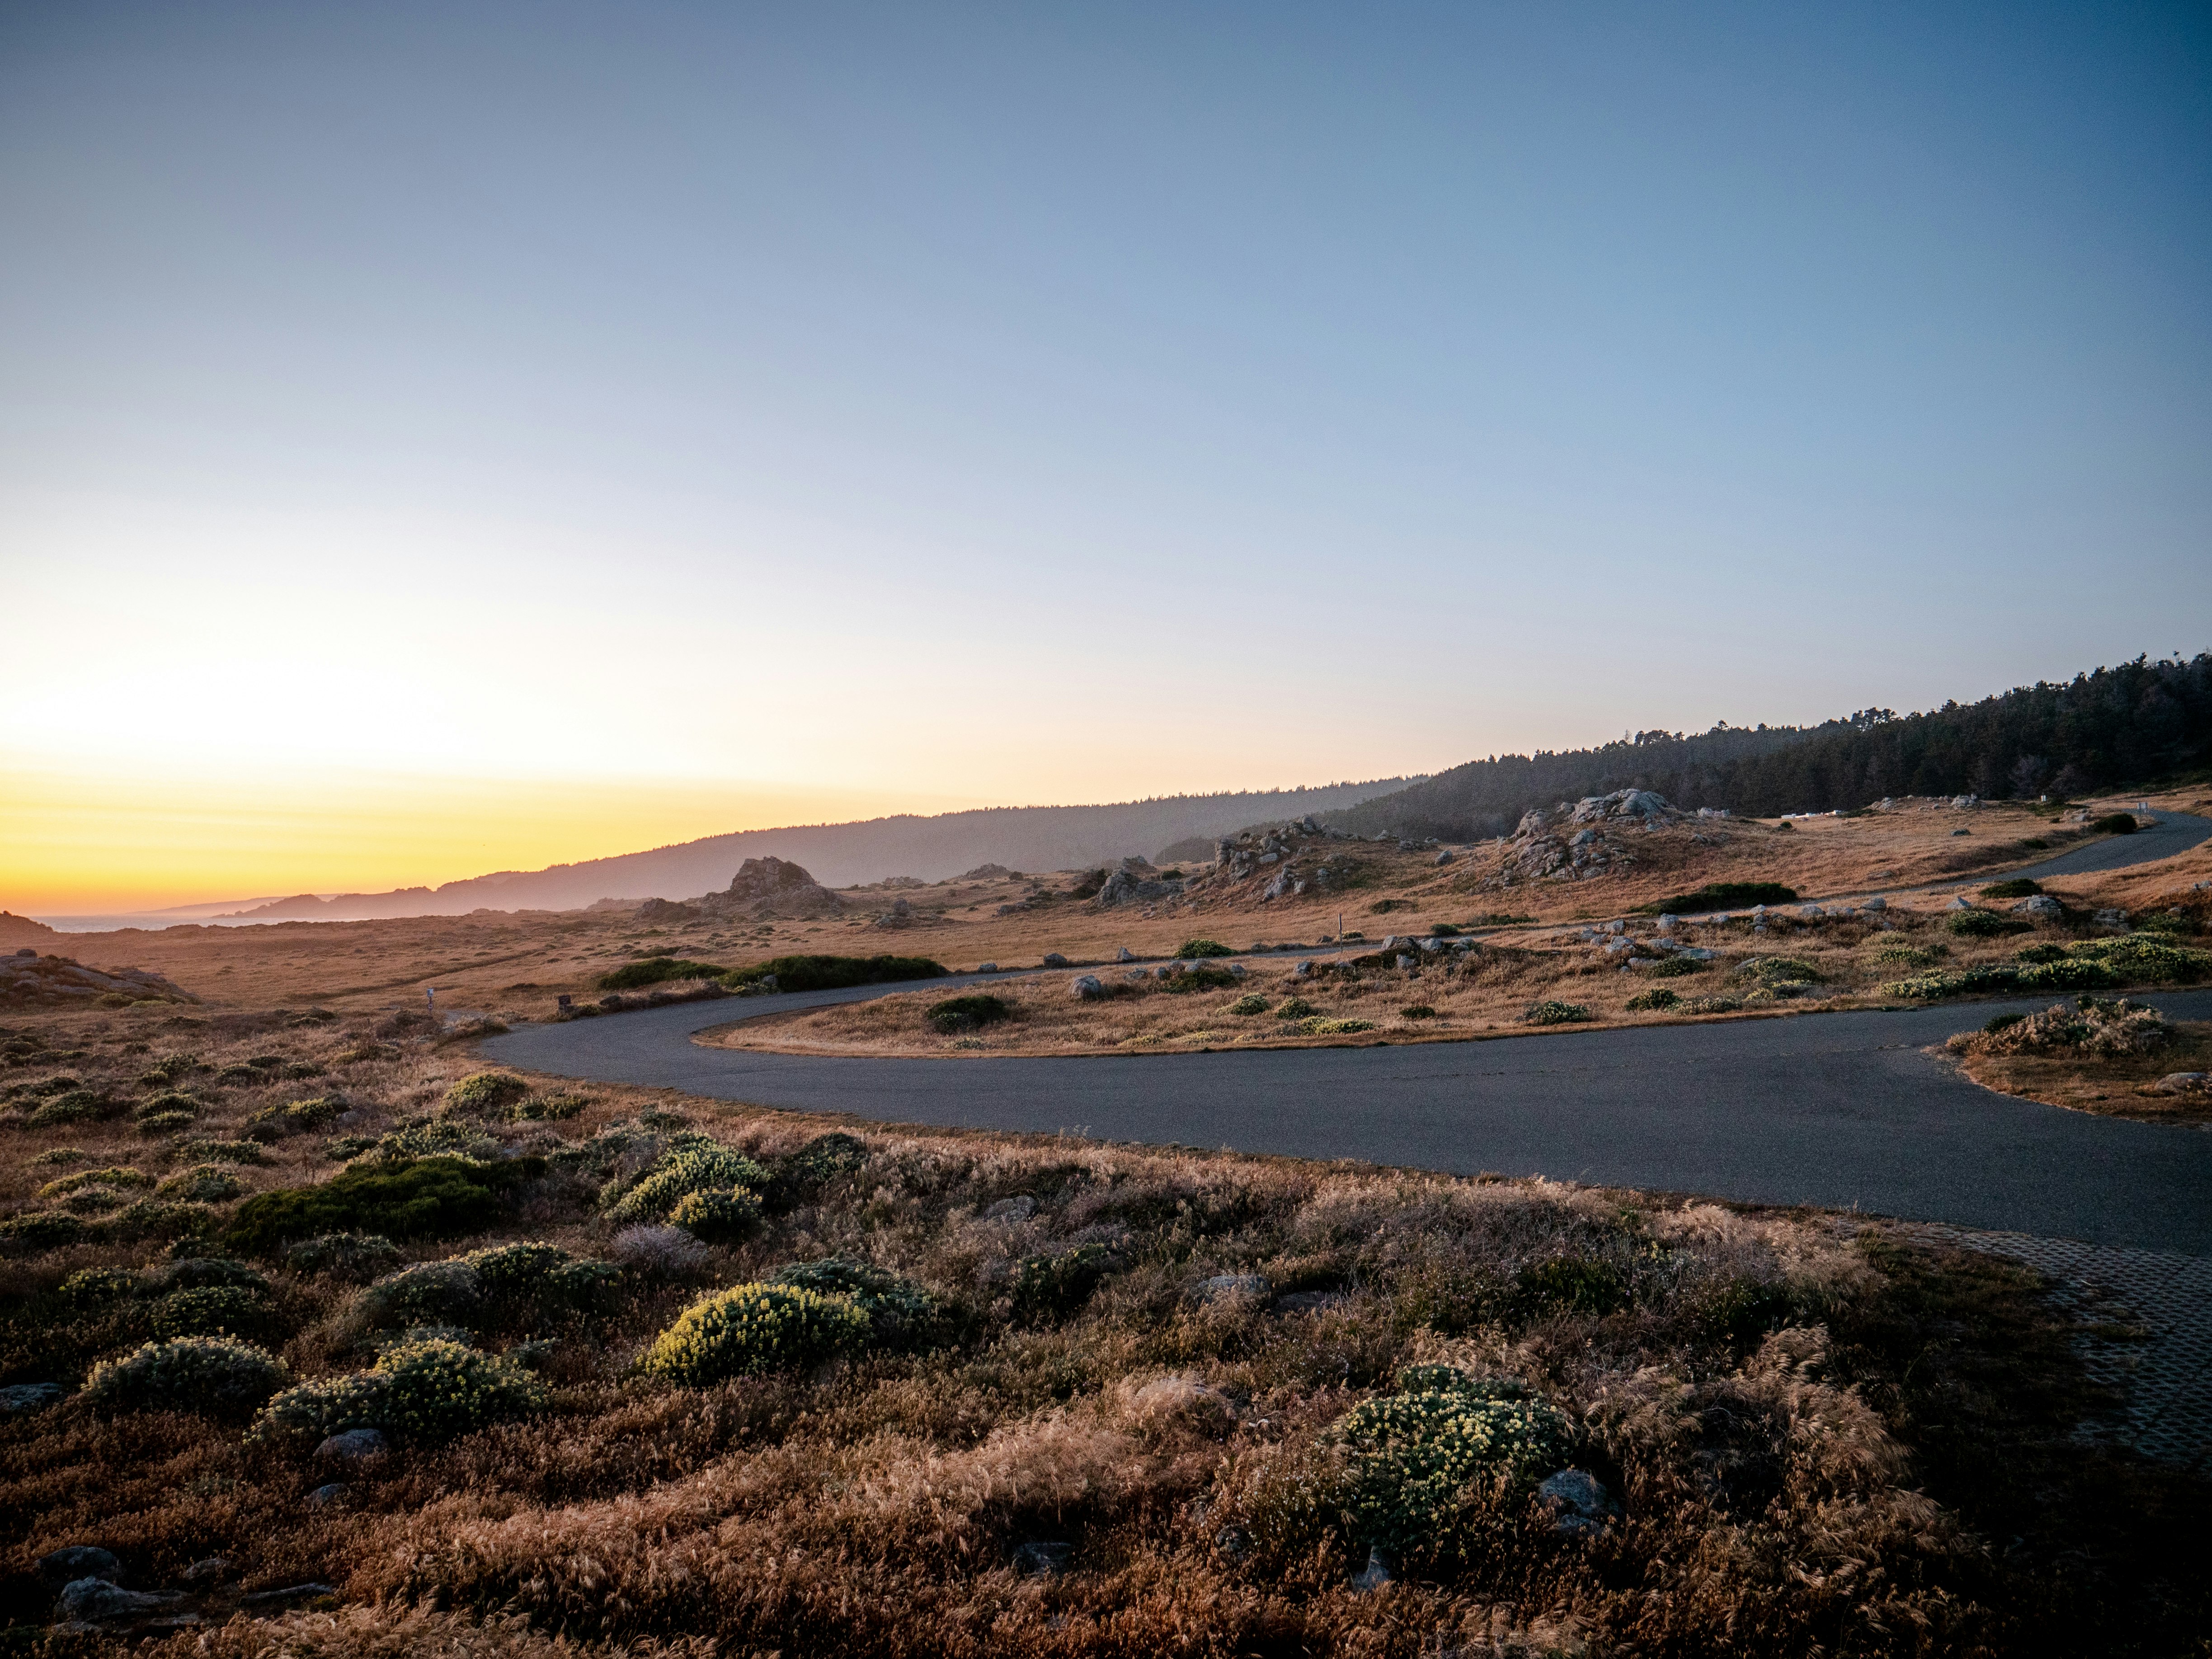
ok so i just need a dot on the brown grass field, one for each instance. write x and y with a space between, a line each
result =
1820 1435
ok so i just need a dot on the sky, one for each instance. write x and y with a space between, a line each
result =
442 439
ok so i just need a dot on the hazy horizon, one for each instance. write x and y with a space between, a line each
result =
445 442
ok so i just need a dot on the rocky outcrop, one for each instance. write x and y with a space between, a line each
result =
1574 843
1135 881
771 887
661 909
28 979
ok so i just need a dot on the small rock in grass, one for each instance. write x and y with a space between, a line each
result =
1020 1208
1223 1287
29 1396
1054 959
354 1446
1577 1503
2042 907
2182 1082
66 1565
1042 1558
1377 1573
987 967
1083 987
290 1596
1122 953
326 1497
95 1602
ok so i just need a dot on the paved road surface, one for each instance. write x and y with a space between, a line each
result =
2174 832
1839 1109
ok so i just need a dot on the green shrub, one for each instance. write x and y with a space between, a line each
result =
193 1272
825 1158
61 1083
1323 1025
1570 1284
1722 896
158 1219
1552 1012
1896 952
1192 949
1197 979
1248 1004
240 1076
1054 1286
1983 924
655 971
212 1310
2147 959
1675 968
436 1137
76 1106
1418 1011
485 1092
113 1175
165 1124
1657 1000
966 1013
899 1310
36 1231
1781 971
97 1287
217 1376
715 1216
1420 1463
691 1169
204 1183
1999 1022
1293 1008
357 1256
428 1392
1445 930
753 1330
428 1293
2019 887
547 1108
2116 824
823 972
423 1198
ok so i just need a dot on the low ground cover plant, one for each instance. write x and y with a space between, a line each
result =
831 973
415 1198
1722 896
967 1013
1194 950
657 970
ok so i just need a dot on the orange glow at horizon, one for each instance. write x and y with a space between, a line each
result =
84 844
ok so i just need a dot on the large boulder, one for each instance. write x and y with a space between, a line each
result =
28 979
772 887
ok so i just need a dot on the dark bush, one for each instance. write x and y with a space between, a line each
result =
357 1256
1722 896
426 1392
213 1311
655 971
812 973
1570 1284
1657 1000
1198 979
1047 1287
2116 823
825 1158
966 1013
1418 1010
1191 949
899 1310
418 1198
213 1375
2019 887
1999 1022
1983 924
1675 968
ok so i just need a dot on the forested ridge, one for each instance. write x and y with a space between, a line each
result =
2123 726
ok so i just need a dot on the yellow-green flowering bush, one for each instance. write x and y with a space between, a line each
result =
209 1310
426 1392
684 1171
1418 1461
714 1218
213 1375
753 1330
485 1092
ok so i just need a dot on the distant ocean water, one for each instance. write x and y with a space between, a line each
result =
150 922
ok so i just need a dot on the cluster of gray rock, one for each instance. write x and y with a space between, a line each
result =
1573 843
28 979
1137 881
90 1598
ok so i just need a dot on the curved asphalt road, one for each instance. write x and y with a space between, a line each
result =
2174 832
1834 1109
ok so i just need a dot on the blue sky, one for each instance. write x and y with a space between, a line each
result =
1022 403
